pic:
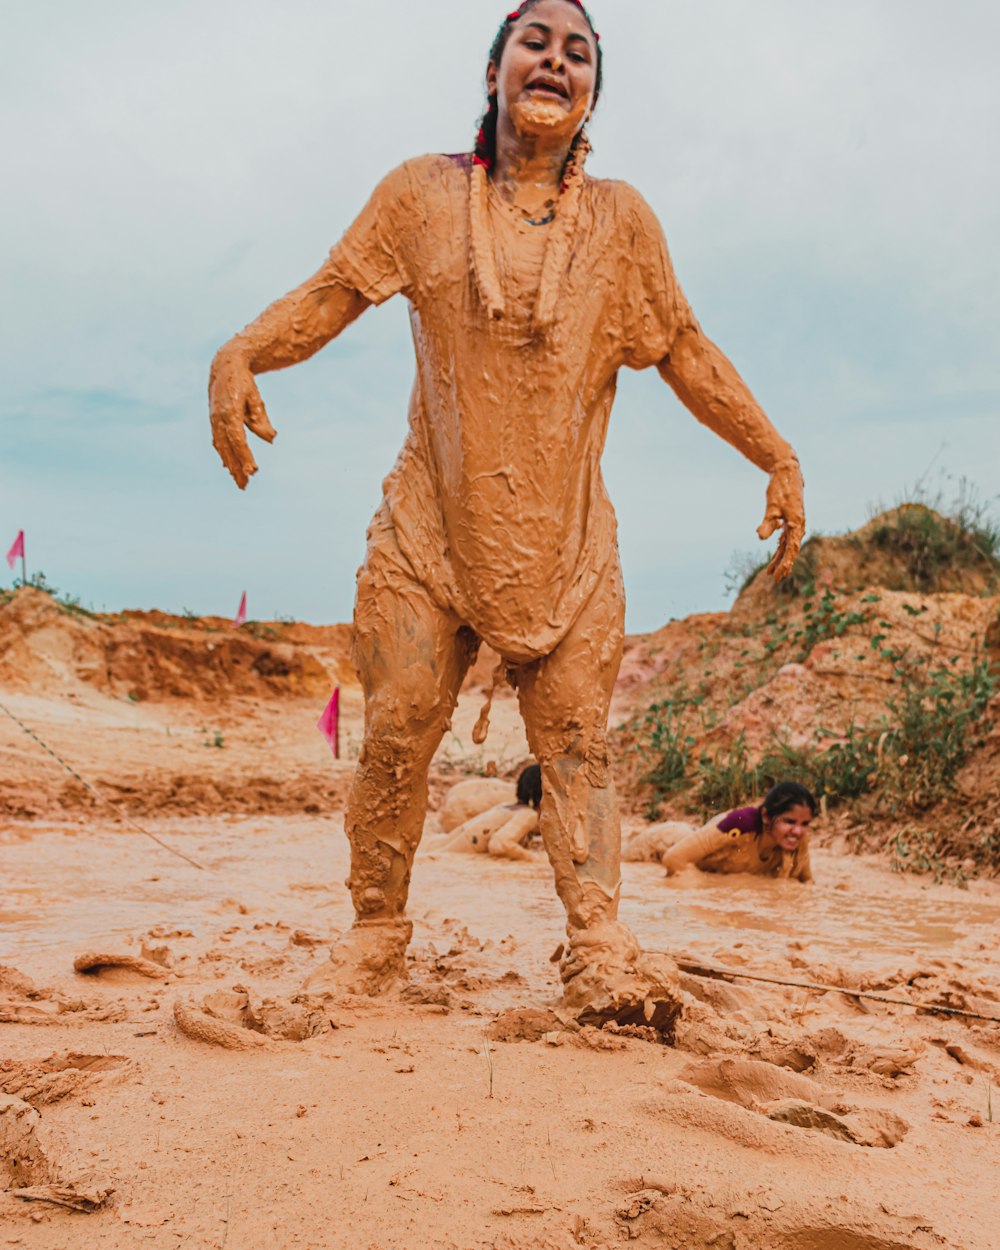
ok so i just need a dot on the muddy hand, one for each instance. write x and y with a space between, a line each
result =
785 510
235 403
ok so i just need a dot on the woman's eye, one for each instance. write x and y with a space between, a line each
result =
535 45
578 57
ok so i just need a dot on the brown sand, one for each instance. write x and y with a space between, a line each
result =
781 1117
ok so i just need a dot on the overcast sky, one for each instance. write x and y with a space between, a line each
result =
826 175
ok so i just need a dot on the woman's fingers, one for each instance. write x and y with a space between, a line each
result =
231 444
230 439
794 534
256 417
235 403
780 565
784 511
784 558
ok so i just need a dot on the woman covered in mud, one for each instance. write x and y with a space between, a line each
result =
769 840
502 830
530 286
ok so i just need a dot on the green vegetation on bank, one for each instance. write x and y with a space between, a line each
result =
38 581
893 766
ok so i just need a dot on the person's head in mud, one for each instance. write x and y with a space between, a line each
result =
529 787
543 80
787 812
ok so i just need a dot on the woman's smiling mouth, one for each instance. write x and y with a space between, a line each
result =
543 85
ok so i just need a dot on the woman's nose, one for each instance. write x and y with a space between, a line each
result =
554 62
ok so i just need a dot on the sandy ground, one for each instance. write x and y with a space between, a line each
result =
461 1112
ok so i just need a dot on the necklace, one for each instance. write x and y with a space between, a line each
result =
524 215
548 214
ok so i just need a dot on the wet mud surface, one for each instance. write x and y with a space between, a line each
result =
782 1116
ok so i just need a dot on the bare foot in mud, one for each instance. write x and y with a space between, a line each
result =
366 961
608 977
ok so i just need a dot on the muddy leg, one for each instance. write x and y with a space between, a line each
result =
411 657
564 700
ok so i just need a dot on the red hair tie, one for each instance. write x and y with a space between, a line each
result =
512 17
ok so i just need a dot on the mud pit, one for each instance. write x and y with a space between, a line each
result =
783 1117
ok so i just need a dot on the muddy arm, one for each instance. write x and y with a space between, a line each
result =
291 330
695 846
707 383
508 841
803 866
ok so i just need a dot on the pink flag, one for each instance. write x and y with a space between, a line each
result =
329 723
241 613
17 549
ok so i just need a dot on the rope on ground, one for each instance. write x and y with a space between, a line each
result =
93 790
708 970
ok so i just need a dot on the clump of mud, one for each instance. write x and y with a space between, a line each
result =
41 1082
231 1019
24 1002
27 1169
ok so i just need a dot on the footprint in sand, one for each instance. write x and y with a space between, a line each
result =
789 1098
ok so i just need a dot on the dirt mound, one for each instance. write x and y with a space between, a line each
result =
877 693
911 548
830 660
49 647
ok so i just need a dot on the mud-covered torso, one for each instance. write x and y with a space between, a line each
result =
497 497
742 846
745 852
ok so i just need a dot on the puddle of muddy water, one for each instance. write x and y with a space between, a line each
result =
71 887
878 914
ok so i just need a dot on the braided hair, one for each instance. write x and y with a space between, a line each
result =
484 154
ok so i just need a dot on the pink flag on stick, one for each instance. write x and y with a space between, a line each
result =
241 613
329 723
16 549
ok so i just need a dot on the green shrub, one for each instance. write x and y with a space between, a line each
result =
926 851
801 582
840 771
935 725
907 762
932 539
666 747
726 779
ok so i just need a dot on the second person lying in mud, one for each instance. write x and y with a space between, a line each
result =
502 830
766 840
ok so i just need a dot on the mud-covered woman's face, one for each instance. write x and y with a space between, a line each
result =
790 827
548 69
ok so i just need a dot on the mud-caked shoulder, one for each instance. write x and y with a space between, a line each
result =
618 197
435 165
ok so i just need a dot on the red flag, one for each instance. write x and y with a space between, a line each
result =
16 550
329 723
241 613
